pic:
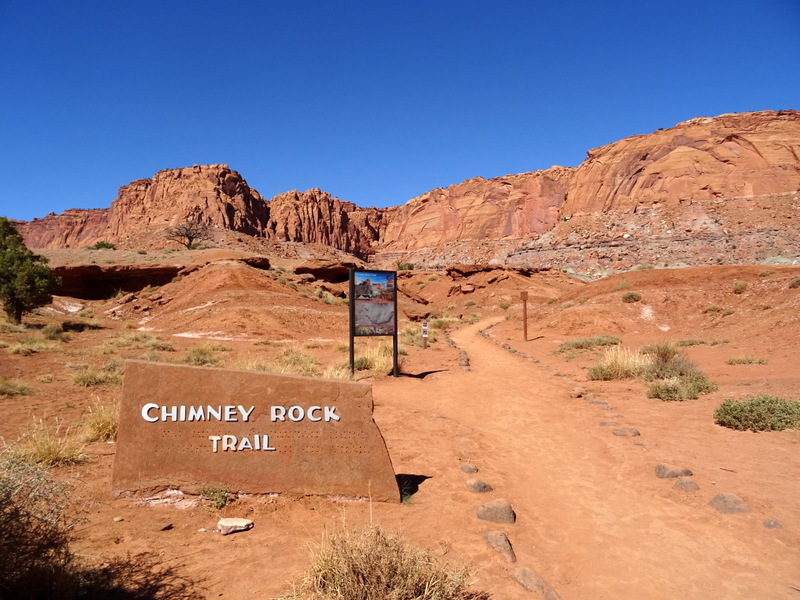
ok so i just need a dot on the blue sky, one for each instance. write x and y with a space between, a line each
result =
375 102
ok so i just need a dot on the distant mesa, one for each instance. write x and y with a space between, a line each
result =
708 190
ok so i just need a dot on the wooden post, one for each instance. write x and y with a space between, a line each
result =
524 297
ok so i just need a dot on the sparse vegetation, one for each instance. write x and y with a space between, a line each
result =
205 355
622 285
746 360
405 266
588 343
101 423
412 336
11 387
504 305
54 332
759 413
102 245
469 303
109 374
141 340
375 357
373 564
671 374
46 446
689 342
214 497
766 273
739 287
794 283
28 345
719 310
630 297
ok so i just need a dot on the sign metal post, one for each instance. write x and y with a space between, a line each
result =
524 297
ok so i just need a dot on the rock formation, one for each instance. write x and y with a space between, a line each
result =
722 189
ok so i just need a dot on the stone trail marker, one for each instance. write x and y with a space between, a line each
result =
191 427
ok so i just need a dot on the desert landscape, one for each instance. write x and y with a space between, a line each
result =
685 239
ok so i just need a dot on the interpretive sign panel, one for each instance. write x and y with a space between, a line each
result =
374 302
189 427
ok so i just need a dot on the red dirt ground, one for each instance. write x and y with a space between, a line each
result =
592 518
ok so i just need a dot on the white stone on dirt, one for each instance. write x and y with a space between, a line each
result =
232 525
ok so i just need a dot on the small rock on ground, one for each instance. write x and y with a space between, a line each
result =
468 468
497 511
499 541
533 582
686 484
163 527
476 485
665 471
608 423
232 525
772 523
626 432
728 504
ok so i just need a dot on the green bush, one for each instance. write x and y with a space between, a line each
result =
759 413
630 297
214 497
26 282
405 266
102 245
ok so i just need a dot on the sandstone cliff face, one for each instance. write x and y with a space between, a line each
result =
704 159
73 228
210 194
314 217
514 206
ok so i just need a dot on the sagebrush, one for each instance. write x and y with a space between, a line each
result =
759 413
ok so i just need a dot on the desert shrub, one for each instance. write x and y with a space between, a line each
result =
689 342
794 283
405 266
588 343
444 322
141 340
48 446
214 497
618 363
102 245
671 374
101 423
109 374
719 342
739 287
326 296
375 357
12 328
552 300
432 278
28 346
717 309
373 564
11 387
339 370
759 413
297 362
630 297
622 285
766 273
45 378
54 332
469 303
566 305
504 305
746 360
204 355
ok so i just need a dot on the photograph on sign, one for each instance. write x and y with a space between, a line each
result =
375 302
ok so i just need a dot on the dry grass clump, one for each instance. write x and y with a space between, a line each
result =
28 346
12 387
297 362
746 360
588 343
46 446
630 297
6 327
377 358
109 374
339 370
759 413
445 322
739 287
718 310
689 342
205 355
618 363
672 375
101 423
412 336
55 332
141 340
372 564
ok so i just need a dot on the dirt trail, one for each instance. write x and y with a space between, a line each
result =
592 517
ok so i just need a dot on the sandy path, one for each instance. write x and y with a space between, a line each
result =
592 517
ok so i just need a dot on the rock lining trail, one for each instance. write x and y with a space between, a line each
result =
591 517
